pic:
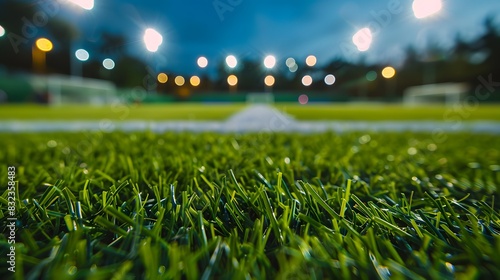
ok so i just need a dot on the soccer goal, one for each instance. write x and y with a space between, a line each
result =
74 90
447 93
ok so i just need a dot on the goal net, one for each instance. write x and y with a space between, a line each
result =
74 90
447 93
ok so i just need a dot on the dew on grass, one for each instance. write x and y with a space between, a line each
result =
364 139
412 151
52 144
287 160
201 169
161 269
432 147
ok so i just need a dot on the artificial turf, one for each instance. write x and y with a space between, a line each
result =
253 206
200 111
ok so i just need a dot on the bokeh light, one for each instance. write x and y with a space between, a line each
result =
330 79
426 8
388 72
294 68
2 31
371 76
82 55
231 61
152 39
269 80
232 80
311 60
303 99
363 39
202 62
307 80
195 81
162 78
85 4
44 44
179 80
269 61
290 62
108 63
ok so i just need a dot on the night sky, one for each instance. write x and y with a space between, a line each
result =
255 28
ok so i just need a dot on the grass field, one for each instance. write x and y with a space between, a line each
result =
197 111
253 206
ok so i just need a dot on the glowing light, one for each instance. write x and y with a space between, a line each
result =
179 80
2 31
82 55
307 80
85 4
162 78
371 76
330 79
202 62
294 68
195 81
303 99
363 39
388 72
290 62
44 44
269 80
108 63
426 8
152 39
269 61
311 61
232 80
231 61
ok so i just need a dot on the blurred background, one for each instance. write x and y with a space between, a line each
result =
97 52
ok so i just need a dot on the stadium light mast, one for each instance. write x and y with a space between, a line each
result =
426 8
269 63
40 48
84 4
152 39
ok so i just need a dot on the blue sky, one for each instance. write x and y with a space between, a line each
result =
255 28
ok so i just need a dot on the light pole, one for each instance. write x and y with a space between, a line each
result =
75 68
82 56
269 63
84 4
39 50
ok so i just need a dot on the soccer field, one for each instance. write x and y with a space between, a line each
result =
198 111
95 205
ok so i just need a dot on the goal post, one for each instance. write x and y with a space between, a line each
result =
74 90
446 93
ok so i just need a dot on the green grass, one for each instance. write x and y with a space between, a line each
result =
254 206
197 111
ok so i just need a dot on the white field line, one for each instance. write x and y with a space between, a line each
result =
271 125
